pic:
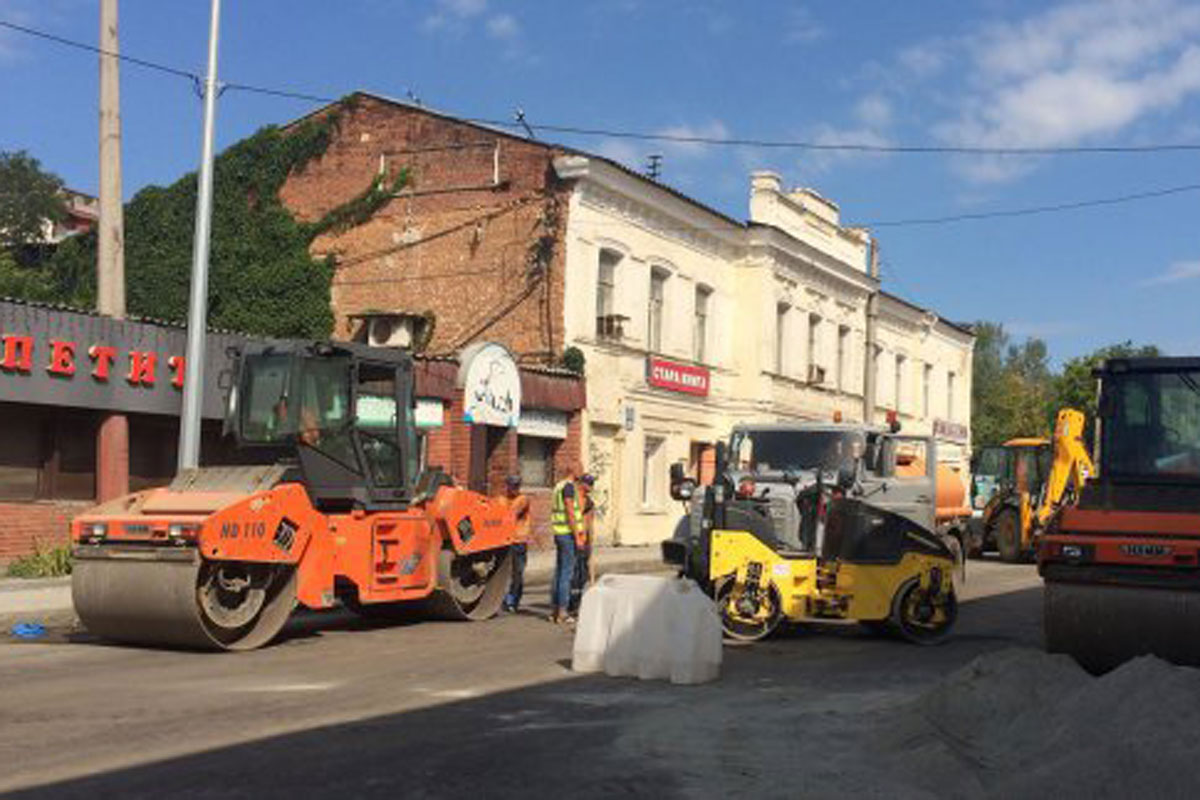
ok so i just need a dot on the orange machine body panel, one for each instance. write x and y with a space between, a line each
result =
388 555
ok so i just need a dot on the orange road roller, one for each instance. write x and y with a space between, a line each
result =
326 505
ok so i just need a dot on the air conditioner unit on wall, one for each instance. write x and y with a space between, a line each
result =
611 326
816 374
406 330
387 331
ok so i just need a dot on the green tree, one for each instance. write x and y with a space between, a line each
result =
1010 386
29 198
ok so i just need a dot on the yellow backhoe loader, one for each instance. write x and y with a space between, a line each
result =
1033 479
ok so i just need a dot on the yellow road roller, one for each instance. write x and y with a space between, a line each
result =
865 547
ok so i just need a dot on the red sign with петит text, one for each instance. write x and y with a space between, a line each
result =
676 377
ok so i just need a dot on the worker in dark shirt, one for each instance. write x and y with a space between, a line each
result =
519 506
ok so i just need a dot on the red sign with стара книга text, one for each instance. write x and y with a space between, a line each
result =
676 377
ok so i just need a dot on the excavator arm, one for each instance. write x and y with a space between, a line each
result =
1071 468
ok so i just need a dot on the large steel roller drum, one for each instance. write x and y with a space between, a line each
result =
172 597
1103 626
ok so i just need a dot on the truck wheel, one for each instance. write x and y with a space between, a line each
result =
1007 533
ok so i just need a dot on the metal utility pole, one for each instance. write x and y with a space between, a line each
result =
193 385
870 367
112 439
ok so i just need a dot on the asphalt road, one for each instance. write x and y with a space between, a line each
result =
435 709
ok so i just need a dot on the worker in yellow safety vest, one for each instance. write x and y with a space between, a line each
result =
566 522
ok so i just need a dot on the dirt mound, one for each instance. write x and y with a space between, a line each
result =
1022 723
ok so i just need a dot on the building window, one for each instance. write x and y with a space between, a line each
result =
47 454
652 470
700 334
654 321
536 456
20 457
843 348
607 326
950 395
153 444
926 380
781 318
901 361
816 374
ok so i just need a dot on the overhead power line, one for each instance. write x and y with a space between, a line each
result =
1031 210
676 138
980 150
92 48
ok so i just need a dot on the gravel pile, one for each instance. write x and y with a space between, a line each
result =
1022 723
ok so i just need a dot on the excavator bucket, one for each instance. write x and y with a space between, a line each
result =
1103 626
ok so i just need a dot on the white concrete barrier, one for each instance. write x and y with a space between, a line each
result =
649 627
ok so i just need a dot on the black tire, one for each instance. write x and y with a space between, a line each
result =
739 630
1006 531
917 619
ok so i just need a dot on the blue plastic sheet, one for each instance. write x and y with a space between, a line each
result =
28 630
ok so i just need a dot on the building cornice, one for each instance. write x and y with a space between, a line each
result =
773 241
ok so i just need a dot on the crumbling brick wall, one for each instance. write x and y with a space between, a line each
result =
475 236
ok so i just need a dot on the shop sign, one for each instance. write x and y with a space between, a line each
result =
676 377
66 358
546 423
952 431
429 413
491 386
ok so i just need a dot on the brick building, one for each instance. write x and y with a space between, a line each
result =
474 237
689 320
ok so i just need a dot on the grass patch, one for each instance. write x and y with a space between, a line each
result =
52 563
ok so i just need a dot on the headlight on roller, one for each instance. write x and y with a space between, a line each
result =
94 532
180 531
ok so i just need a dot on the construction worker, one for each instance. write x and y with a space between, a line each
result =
566 522
519 505
582 576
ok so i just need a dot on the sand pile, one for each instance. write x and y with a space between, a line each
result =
1021 723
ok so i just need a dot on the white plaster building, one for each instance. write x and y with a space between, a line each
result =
691 321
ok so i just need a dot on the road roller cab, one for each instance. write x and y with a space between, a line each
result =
1122 564
329 504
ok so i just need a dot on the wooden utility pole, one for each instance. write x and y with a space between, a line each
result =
112 441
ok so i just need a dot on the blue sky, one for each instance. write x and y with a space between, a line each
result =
993 73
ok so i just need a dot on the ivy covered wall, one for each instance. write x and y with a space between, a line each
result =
262 279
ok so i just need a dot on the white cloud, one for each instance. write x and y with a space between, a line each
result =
452 14
713 129
1061 77
874 110
504 26
925 59
1176 273
801 28
458 17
